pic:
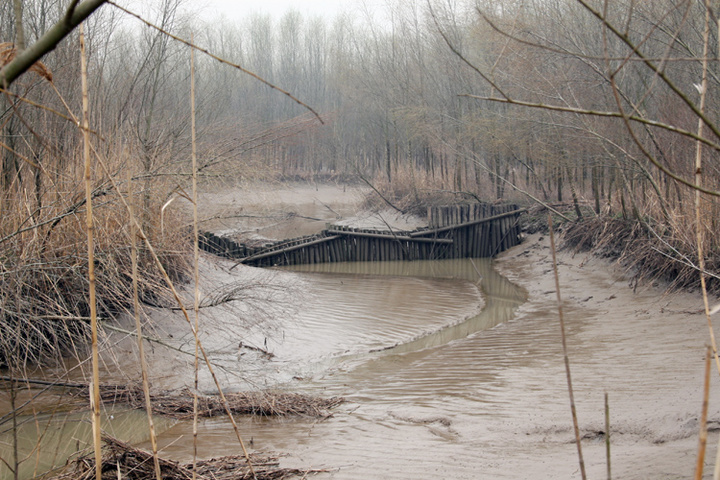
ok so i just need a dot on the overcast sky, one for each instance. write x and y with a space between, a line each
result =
238 9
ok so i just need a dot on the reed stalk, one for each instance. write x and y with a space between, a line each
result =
196 253
95 384
702 438
566 358
138 328
699 231
607 437
716 471
700 239
13 397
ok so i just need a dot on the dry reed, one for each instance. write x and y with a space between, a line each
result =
196 259
63 277
608 463
8 53
43 257
650 251
140 341
412 191
121 460
702 437
566 358
180 405
700 234
95 383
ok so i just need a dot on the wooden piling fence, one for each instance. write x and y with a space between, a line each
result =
458 231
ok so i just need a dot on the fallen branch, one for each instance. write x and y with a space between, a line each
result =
25 60
282 250
53 383
403 238
122 460
180 405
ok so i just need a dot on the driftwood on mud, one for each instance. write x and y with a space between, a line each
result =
121 460
244 403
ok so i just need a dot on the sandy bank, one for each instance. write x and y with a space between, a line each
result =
642 346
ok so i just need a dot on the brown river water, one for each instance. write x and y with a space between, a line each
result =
402 342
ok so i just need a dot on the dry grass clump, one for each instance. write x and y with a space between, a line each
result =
650 251
411 191
44 310
121 460
245 403
536 219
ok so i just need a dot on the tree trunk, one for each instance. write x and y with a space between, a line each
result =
576 203
559 177
595 189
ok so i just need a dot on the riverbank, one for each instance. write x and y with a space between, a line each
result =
642 346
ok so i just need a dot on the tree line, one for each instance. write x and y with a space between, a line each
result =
404 94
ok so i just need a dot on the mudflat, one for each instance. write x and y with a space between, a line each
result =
642 346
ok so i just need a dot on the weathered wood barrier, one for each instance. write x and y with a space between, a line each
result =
460 231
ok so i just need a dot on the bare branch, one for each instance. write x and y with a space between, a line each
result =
47 43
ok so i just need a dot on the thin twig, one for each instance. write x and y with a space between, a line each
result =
362 177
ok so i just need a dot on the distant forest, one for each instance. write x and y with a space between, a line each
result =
413 95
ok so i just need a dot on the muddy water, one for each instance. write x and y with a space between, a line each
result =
45 441
401 341
398 340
